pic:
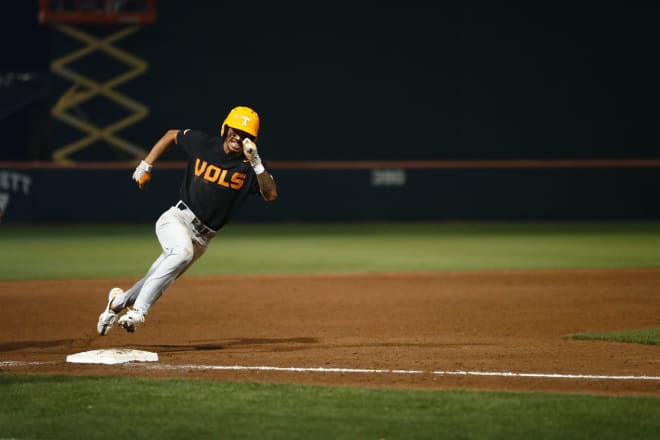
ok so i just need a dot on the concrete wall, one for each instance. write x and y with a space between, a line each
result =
358 82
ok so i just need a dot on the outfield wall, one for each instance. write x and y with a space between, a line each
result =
362 192
476 94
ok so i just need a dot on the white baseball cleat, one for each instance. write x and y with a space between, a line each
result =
131 320
109 316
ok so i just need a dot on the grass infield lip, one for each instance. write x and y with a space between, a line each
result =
649 336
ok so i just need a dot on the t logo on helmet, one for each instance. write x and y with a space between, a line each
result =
245 120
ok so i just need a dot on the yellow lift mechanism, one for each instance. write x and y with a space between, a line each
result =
84 88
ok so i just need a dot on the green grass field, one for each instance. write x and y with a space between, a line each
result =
120 251
74 407
56 407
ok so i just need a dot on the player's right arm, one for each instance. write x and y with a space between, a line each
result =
142 173
161 146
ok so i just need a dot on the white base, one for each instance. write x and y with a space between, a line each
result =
112 356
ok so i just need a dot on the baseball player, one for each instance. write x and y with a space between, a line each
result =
220 173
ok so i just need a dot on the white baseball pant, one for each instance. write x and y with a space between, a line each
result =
182 245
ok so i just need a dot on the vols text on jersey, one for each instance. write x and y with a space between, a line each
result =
215 174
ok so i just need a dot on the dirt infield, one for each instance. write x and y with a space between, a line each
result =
423 330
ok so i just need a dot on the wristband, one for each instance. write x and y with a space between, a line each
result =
146 166
256 164
258 168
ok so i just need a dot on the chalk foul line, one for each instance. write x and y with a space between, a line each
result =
409 372
159 366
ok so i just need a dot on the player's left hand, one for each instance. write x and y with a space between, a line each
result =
252 155
142 174
250 149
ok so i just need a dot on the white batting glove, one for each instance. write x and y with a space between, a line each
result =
252 155
142 174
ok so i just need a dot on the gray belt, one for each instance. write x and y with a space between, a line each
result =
197 224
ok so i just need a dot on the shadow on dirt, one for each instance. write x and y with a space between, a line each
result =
233 343
21 345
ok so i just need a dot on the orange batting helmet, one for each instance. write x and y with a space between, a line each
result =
242 118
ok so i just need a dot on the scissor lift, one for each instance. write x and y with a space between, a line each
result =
127 16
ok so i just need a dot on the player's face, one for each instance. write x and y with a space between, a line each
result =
234 140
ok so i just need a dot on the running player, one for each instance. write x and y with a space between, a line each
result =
220 173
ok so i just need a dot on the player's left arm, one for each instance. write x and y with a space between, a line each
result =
267 185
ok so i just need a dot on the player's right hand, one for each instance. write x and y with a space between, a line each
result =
142 174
